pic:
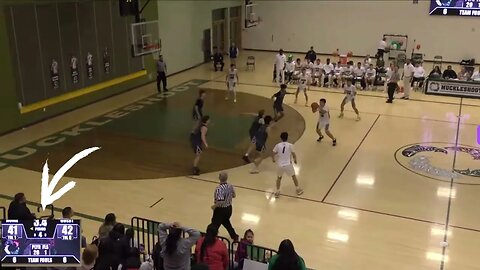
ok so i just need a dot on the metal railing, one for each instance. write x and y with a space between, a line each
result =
49 207
146 234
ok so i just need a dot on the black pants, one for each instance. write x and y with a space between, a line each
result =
219 63
380 54
161 77
221 216
391 90
419 80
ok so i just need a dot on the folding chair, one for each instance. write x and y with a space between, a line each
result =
251 63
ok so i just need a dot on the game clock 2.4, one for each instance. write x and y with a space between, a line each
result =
455 7
40 243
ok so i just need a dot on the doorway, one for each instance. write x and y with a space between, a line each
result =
219 29
236 26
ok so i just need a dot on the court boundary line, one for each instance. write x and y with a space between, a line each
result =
360 93
341 205
350 159
449 205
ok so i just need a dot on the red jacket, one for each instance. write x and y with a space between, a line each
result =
216 255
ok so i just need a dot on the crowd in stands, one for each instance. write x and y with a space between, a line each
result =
115 247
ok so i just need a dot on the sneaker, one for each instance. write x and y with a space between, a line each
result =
255 171
295 101
196 171
299 191
306 105
341 115
358 118
234 101
389 101
320 138
246 159
334 142
277 194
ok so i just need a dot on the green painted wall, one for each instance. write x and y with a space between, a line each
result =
10 117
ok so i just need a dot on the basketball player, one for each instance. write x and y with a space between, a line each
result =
284 154
197 112
324 121
337 74
256 124
289 69
231 80
260 141
328 70
350 92
370 75
318 75
198 140
303 85
278 102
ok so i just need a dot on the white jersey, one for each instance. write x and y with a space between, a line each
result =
324 114
371 72
359 71
337 71
328 68
389 73
350 91
283 152
303 81
347 71
298 67
232 75
290 66
318 68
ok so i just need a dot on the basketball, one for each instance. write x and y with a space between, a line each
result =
314 106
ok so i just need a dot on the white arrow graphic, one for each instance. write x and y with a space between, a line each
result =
47 197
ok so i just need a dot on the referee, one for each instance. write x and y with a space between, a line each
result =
222 208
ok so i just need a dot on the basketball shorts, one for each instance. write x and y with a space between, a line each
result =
231 85
323 125
260 146
277 108
302 88
196 145
288 170
348 98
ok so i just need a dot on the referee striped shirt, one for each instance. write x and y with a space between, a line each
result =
224 194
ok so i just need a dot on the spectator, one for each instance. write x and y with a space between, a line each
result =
161 74
418 75
107 226
233 53
175 249
89 256
212 251
449 73
241 253
287 258
112 250
133 259
464 75
18 208
218 59
311 55
435 73
68 213
476 76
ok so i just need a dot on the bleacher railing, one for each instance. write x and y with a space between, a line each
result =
146 234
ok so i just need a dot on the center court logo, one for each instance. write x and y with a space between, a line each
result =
434 160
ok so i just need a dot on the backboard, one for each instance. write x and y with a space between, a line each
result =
145 38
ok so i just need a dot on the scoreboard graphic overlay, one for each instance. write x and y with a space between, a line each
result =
40 243
455 7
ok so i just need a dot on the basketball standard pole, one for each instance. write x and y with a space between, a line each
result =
137 16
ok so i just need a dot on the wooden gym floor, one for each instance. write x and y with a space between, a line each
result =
372 202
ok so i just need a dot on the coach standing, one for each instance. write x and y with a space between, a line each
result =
161 74
222 208
392 84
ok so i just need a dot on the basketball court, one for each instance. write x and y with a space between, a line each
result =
384 198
